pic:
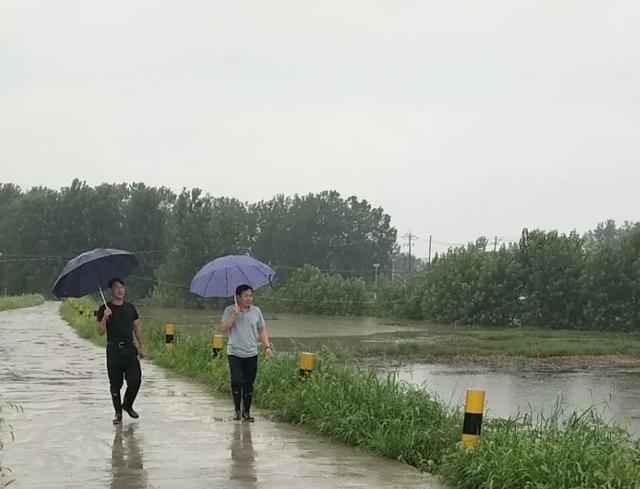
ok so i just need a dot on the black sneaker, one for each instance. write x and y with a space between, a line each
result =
247 417
236 416
118 419
130 412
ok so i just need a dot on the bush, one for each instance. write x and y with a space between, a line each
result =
315 292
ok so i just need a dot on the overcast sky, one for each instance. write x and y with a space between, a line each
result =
460 118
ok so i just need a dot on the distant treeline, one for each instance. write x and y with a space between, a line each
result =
546 280
175 234
323 247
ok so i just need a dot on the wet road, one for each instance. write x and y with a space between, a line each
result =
184 438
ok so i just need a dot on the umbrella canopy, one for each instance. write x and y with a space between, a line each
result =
220 277
92 271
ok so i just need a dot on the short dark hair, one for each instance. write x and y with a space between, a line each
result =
115 281
243 288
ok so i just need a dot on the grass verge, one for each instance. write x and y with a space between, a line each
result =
18 301
391 419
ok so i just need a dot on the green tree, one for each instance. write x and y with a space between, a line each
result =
335 234
201 229
611 282
551 265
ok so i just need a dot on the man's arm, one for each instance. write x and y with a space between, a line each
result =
137 331
102 321
264 337
227 323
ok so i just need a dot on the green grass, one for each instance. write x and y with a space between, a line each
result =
394 420
6 428
18 301
562 451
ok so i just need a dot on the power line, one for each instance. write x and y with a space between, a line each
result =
34 258
16 258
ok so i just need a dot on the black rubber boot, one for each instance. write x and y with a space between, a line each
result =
246 408
131 413
117 406
237 401
129 409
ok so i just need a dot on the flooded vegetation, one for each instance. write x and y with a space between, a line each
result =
413 340
523 370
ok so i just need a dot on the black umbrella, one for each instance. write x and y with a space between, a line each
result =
93 270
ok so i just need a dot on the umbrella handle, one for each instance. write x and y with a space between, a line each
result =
102 295
99 288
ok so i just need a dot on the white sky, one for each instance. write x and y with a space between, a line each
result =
460 118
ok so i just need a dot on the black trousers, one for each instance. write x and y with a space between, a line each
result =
243 374
123 364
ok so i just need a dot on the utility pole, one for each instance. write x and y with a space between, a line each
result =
393 268
410 236
429 261
375 268
495 244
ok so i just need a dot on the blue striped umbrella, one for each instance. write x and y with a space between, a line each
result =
220 277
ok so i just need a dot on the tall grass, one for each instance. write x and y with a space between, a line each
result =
392 419
5 479
19 301
562 451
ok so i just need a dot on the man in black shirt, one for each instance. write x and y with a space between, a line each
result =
119 319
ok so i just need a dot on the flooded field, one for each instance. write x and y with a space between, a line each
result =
417 340
284 325
512 388
613 390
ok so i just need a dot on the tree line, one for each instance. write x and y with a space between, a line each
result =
323 247
547 279
176 233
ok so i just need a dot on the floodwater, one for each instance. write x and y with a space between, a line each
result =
511 390
185 438
614 391
286 325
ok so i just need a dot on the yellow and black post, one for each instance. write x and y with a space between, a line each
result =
307 363
473 409
217 342
169 332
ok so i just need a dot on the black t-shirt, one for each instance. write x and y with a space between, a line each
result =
120 324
